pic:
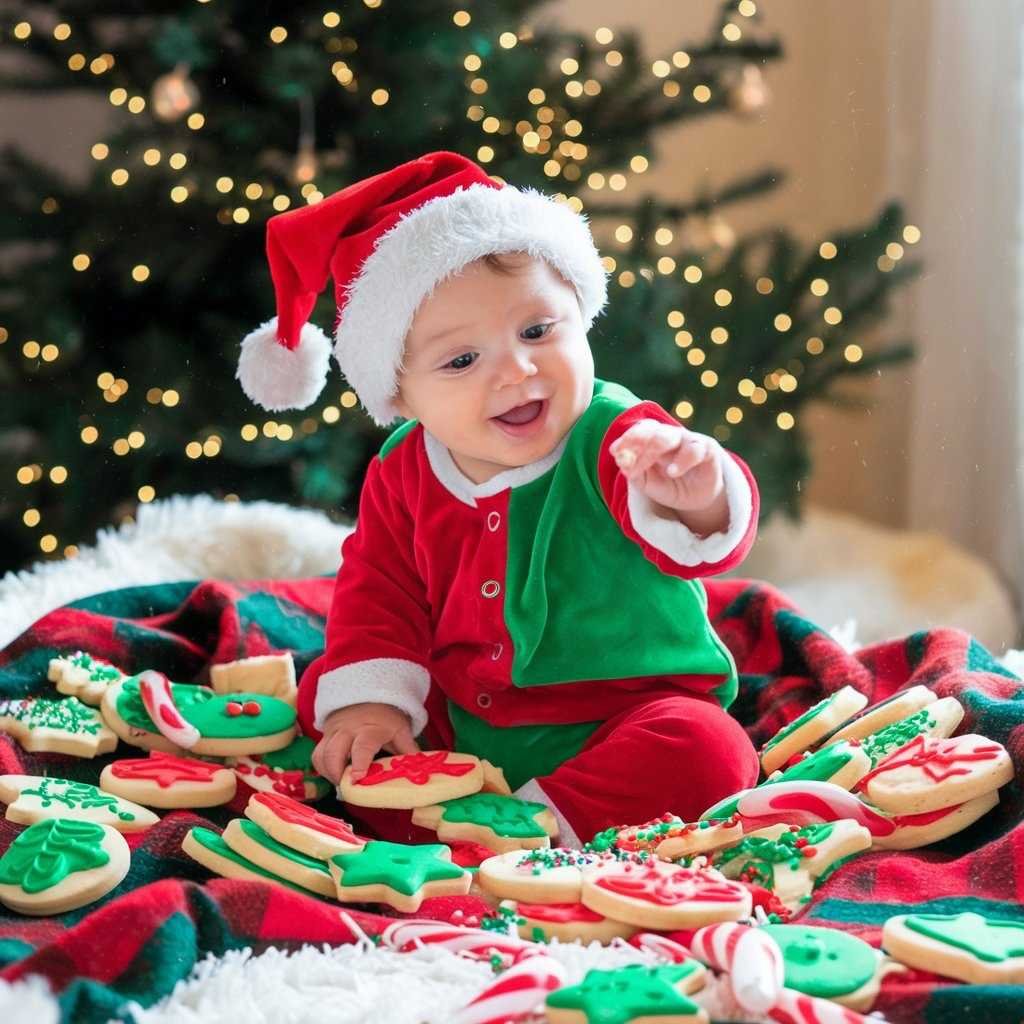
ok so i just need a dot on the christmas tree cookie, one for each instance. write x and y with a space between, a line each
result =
165 780
65 726
248 839
400 876
501 823
404 781
32 798
300 827
83 676
288 771
59 864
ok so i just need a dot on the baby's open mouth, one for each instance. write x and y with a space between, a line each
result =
522 413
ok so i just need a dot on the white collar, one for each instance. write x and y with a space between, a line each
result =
451 477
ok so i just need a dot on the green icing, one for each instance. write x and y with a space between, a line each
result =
215 844
823 962
819 766
761 854
504 815
617 997
74 795
206 710
725 808
38 713
48 851
991 941
881 744
99 671
402 868
807 716
258 835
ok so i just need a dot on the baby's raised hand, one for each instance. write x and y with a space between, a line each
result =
359 732
673 466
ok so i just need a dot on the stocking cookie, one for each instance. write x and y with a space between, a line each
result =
310 832
165 780
661 896
911 831
209 849
83 676
566 922
404 781
940 718
288 771
876 717
653 995
501 823
928 774
32 798
58 865
64 726
400 876
807 730
245 837
968 947
270 674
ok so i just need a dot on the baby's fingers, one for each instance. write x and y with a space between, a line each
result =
364 749
330 755
403 742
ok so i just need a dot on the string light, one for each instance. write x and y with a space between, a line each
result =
833 315
911 234
827 251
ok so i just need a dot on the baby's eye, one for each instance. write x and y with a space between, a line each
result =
544 328
454 364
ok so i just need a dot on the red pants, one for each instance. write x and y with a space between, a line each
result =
678 755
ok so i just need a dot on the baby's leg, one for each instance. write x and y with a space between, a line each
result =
678 755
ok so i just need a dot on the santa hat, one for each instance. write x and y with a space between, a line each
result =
387 242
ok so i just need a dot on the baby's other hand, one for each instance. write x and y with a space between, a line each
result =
359 732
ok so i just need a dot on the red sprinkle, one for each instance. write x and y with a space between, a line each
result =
233 709
801 842
809 851
251 708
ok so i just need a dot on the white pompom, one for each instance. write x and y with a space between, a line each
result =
277 378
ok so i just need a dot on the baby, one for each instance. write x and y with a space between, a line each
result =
523 582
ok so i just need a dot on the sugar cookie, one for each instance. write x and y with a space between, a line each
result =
404 781
300 827
230 724
494 779
875 717
64 726
651 995
807 730
502 823
165 780
32 798
288 771
399 875
270 674
968 947
209 849
843 763
83 676
536 876
58 865
663 896
245 837
914 830
567 922
940 718
928 774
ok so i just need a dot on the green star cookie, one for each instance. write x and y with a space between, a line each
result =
402 868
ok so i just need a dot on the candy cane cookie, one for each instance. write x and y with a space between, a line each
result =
803 803
158 700
83 676
165 780
405 781
65 726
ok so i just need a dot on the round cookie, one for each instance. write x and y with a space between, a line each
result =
405 781
567 922
940 718
914 830
663 896
929 773
230 725
209 849
168 781
245 837
288 771
65 726
83 676
501 823
806 731
32 798
968 947
58 865
399 875
536 876
875 717
300 827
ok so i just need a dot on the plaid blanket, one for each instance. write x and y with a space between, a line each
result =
169 913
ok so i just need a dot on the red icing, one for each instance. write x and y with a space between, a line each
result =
171 717
558 913
938 759
925 818
233 709
165 770
251 708
295 813
415 768
820 809
290 782
667 887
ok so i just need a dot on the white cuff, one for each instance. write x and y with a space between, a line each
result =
402 684
531 790
678 541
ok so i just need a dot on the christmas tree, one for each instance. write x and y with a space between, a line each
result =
120 325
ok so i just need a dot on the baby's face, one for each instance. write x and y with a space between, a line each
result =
486 342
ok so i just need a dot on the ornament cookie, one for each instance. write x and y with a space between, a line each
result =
32 798
83 676
166 780
875 717
940 718
536 876
65 726
270 674
663 896
58 865
814 724
501 823
288 771
400 876
653 995
567 922
929 774
404 781
968 947
300 827
245 837
230 725
913 830
208 848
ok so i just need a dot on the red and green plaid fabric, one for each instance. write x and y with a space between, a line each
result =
170 913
